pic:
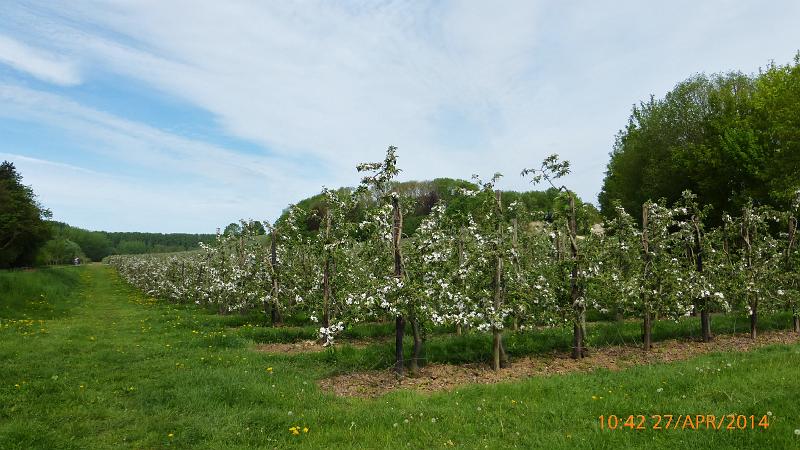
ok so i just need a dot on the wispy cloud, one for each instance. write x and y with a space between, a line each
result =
185 178
461 87
38 63
105 201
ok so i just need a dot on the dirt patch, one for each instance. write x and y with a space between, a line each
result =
437 377
309 346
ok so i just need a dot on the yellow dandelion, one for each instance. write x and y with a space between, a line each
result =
171 435
305 429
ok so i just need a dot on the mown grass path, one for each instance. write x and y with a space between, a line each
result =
114 369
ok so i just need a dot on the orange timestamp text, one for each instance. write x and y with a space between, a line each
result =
728 422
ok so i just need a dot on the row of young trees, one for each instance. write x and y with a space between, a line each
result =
496 266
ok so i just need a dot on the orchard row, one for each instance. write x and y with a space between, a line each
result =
494 267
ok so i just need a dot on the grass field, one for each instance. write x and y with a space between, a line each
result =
88 362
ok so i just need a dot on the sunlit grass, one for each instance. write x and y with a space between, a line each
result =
116 369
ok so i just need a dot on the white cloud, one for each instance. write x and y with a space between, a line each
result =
185 178
461 87
96 200
317 80
40 64
135 142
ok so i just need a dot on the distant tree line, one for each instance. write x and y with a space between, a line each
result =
28 237
69 242
728 138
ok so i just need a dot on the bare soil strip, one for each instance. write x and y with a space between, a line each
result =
308 346
438 377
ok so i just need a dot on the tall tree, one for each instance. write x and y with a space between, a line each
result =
23 229
727 138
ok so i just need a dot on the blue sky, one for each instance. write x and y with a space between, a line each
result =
187 115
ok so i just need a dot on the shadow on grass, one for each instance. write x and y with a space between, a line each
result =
476 347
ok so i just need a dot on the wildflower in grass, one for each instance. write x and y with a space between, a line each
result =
594 397
660 390
305 429
171 435
269 369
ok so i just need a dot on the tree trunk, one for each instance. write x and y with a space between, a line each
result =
705 323
584 348
399 327
497 336
516 264
275 313
647 325
326 277
789 249
400 324
577 341
579 330
459 327
705 314
415 359
746 236
326 294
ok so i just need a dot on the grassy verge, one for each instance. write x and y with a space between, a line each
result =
120 370
37 294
